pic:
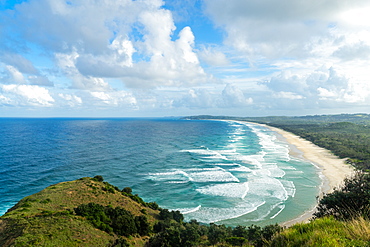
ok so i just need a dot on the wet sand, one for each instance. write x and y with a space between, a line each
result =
333 169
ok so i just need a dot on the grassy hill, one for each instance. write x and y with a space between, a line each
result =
90 212
47 218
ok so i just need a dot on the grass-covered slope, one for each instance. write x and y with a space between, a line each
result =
90 212
326 232
48 218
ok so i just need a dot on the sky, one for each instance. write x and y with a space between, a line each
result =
153 58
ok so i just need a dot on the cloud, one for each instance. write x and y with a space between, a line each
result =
208 98
286 28
233 96
324 86
12 75
142 56
213 57
40 80
69 100
26 95
286 81
5 100
18 62
115 98
62 26
359 50
288 95
66 63
198 98
129 40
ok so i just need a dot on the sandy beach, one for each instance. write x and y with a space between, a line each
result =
334 170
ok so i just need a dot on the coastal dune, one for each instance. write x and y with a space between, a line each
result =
334 170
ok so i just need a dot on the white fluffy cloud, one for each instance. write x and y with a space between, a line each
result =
19 62
323 86
70 99
100 39
26 95
133 56
12 75
214 57
234 96
118 98
286 28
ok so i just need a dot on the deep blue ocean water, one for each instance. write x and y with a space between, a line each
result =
212 171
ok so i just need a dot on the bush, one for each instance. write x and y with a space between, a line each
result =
165 214
349 201
117 220
153 205
127 190
236 241
142 225
98 178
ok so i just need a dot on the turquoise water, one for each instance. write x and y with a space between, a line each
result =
212 171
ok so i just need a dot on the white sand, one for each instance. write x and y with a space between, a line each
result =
334 169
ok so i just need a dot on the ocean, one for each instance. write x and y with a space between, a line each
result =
222 172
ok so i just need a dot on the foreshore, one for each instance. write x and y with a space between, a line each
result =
334 170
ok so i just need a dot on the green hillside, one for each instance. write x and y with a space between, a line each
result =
90 212
48 218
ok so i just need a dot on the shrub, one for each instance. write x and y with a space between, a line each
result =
153 205
127 190
349 201
98 178
142 225
236 241
117 220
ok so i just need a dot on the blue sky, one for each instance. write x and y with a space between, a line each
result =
152 58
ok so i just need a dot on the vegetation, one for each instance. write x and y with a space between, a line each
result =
92 212
349 201
91 215
346 135
178 234
342 217
325 232
84 212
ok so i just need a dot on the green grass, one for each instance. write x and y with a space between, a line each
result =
325 232
47 218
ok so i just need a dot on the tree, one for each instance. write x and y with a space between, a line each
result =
190 236
240 231
216 233
351 200
124 225
142 225
99 178
127 190
177 215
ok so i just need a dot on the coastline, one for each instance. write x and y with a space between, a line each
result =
333 169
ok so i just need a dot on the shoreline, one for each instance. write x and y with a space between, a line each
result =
333 169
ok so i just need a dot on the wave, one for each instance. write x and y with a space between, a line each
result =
189 210
212 214
206 153
281 209
215 174
237 190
